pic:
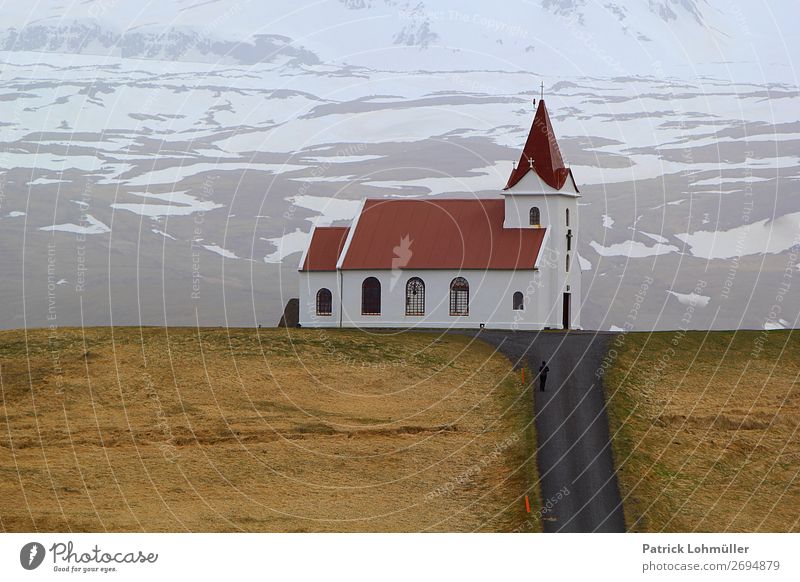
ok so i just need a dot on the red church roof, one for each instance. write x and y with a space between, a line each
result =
542 148
324 249
439 234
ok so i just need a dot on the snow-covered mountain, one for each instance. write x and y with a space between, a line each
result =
181 186
738 41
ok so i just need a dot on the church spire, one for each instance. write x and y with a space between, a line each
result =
541 153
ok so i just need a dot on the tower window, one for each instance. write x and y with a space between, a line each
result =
535 219
567 216
324 302
518 301
567 265
459 296
415 296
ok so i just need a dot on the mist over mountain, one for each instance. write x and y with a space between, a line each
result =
733 40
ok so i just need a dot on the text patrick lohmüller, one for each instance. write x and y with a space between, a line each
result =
694 549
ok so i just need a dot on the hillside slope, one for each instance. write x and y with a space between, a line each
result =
705 430
260 430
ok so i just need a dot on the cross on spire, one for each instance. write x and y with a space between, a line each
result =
541 94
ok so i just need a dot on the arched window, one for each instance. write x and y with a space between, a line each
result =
459 296
518 301
415 296
567 264
567 216
371 296
534 218
324 302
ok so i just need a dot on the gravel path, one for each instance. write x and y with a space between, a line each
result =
574 449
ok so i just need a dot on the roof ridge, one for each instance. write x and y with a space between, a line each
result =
433 200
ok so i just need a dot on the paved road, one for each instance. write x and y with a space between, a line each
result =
572 426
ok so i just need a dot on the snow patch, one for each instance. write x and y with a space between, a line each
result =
717 181
632 249
94 226
288 244
329 209
693 299
655 237
44 182
760 237
176 174
220 251
488 178
341 159
162 233
178 204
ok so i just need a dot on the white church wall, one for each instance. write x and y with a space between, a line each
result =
566 281
310 283
491 291
553 206
490 300
533 191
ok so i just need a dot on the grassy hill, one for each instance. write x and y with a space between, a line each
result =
705 429
130 429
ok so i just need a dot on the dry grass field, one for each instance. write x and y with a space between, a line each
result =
705 430
130 429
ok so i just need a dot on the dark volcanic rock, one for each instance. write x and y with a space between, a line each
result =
291 314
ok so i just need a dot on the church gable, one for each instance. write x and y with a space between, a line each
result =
532 183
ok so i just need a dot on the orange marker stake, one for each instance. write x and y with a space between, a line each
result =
527 505
523 375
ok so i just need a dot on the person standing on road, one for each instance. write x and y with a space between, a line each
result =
543 370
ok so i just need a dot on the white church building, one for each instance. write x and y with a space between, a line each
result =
508 262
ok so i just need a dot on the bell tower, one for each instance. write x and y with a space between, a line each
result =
541 193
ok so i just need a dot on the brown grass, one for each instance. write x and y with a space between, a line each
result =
132 429
705 430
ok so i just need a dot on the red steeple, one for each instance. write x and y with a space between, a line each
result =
542 148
